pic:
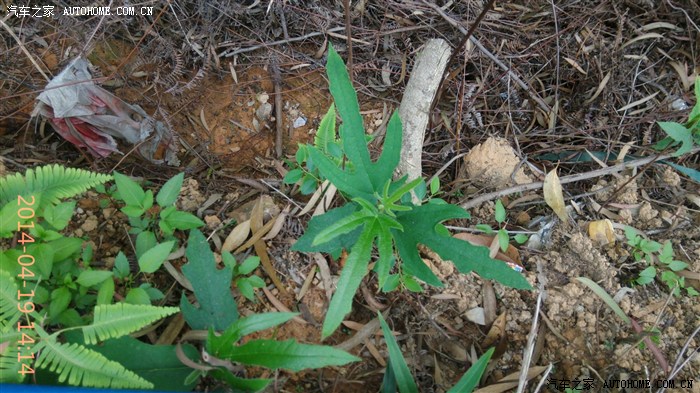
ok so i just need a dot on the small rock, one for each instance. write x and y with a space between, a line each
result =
264 111
90 224
299 122
492 163
212 221
108 212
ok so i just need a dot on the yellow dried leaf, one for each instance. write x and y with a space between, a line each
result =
238 235
601 232
553 194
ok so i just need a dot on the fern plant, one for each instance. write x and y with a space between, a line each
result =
75 364
49 184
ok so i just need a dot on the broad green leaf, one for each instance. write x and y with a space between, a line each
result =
170 190
240 384
245 288
137 296
383 169
392 283
44 255
385 246
250 264
326 130
90 278
521 238
341 227
224 345
87 254
293 176
353 131
403 377
153 259
70 318
422 221
130 192
319 223
121 266
678 133
500 212
677 265
503 240
106 292
350 277
59 215
435 185
471 378
289 355
64 248
153 293
133 211
212 288
145 241
147 202
411 284
183 220
308 185
397 194
350 182
60 299
157 364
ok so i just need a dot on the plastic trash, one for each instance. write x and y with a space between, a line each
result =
89 116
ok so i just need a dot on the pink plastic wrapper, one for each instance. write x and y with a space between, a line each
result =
89 116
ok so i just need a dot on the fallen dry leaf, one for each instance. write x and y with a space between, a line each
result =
511 380
237 236
511 255
601 232
498 329
553 194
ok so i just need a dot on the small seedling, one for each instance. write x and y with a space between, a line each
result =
245 284
502 233
660 259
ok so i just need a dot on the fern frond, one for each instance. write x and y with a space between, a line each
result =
116 320
9 366
80 366
9 313
51 182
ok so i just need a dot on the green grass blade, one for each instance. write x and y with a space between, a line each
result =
404 379
471 378
605 297
354 271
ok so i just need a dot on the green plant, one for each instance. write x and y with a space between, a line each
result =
502 233
32 216
398 376
154 226
652 252
687 134
74 363
246 285
217 313
380 211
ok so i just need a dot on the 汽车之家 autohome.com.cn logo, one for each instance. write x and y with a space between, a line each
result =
48 11
34 11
